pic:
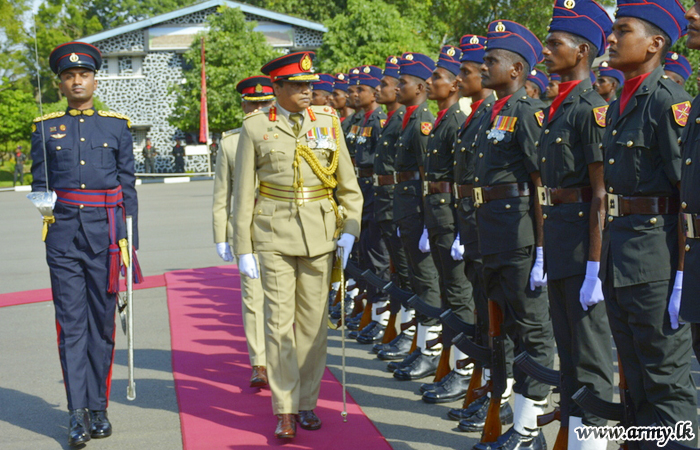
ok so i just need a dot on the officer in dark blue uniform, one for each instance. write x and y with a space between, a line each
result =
90 165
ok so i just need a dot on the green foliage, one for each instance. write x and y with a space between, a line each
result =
313 10
367 33
17 109
114 13
233 52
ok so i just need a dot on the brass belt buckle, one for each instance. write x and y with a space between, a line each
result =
425 188
613 204
478 196
375 179
689 226
543 196
455 190
396 177
357 172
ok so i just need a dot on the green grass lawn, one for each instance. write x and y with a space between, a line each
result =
7 171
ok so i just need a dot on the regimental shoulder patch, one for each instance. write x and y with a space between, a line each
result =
681 112
115 115
426 128
539 115
600 113
48 116
382 122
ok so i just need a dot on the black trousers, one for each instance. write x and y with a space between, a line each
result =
425 280
525 314
84 321
656 359
584 346
374 254
396 253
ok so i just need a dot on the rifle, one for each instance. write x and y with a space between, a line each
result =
492 425
475 391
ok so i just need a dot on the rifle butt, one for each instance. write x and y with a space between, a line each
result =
492 426
562 442
366 315
390 332
443 367
414 344
474 385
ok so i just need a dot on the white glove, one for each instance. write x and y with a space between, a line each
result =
346 241
537 276
424 243
248 266
674 303
457 250
592 290
224 251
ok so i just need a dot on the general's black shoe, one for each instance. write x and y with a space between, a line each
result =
353 323
517 441
475 423
78 427
494 445
452 387
376 348
392 366
373 332
100 426
397 351
464 413
421 367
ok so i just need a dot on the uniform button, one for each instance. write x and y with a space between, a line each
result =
386 143
630 143
600 145
476 179
611 161
82 163
442 200
687 247
376 155
366 181
495 142
260 211
680 140
435 152
544 216
454 163
537 143
610 218
697 120
508 206
82 186
652 220
688 162
58 147
546 131
456 205
459 141
580 213
405 188
473 144
82 139
463 149
610 189
453 151
481 155
614 132
272 151
375 194
82 120
432 135
82 206
558 140
544 159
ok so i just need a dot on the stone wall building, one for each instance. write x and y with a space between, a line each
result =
143 59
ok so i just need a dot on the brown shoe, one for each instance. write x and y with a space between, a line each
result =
308 420
259 377
286 426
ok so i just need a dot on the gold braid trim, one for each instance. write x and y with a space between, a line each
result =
325 174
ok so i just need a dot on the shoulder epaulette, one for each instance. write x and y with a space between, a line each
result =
256 113
230 132
52 115
324 110
116 115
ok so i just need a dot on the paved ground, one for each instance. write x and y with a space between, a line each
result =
175 231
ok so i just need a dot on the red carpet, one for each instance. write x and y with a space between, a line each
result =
44 295
211 367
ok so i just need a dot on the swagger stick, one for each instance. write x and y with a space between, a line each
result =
341 290
131 387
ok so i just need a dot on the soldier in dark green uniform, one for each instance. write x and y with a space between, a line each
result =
536 83
408 209
440 215
505 177
339 100
608 82
572 200
374 254
640 241
353 122
385 154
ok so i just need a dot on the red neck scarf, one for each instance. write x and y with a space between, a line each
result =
440 115
389 114
565 87
498 106
367 114
475 106
409 113
629 89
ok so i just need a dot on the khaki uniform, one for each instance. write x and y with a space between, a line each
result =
222 211
295 243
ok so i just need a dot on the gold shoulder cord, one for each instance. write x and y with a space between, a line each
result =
325 174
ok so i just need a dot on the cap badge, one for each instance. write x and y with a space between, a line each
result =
341 77
305 63
500 28
355 71
366 69
674 56
74 58
474 40
258 88
393 60
569 4
450 52
409 57
533 73
604 64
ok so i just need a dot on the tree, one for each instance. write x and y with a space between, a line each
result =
17 109
367 33
114 13
313 10
233 52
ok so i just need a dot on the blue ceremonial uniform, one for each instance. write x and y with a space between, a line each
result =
86 151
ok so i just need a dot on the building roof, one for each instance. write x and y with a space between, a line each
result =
199 7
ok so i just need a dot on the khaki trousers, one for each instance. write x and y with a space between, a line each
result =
296 328
253 319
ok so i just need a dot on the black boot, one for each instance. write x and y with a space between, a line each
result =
373 332
517 441
476 422
100 428
78 427
464 413
379 347
392 366
494 445
421 367
452 387
397 351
